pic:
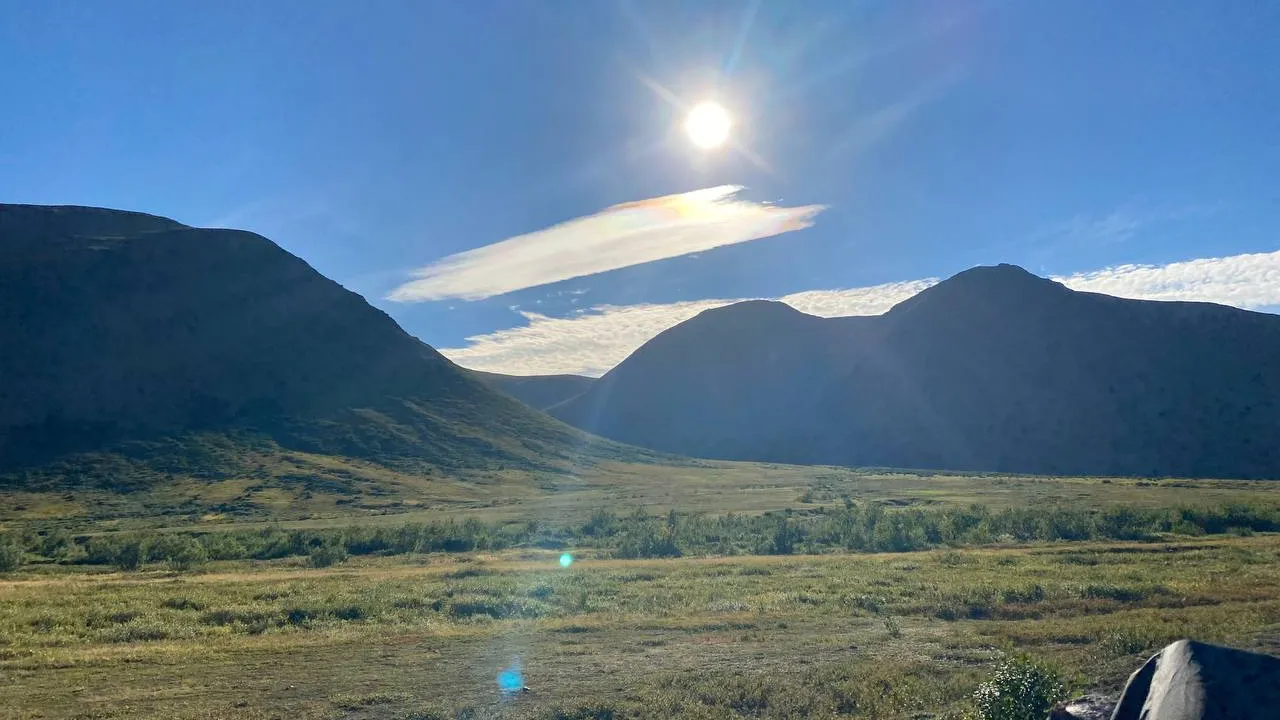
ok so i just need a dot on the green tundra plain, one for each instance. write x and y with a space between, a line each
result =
770 592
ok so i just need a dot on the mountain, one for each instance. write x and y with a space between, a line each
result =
537 391
994 369
137 335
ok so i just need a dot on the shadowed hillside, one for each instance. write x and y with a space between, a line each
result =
538 391
993 370
123 329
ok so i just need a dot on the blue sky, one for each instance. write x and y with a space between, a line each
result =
878 145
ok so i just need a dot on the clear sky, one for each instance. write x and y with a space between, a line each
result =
877 144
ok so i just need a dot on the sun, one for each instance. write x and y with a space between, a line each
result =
708 125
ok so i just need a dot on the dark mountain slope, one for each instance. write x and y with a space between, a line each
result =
995 369
713 387
537 391
120 326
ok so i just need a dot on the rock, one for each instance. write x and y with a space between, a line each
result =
1087 707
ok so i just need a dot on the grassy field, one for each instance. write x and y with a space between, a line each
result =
870 635
296 489
404 634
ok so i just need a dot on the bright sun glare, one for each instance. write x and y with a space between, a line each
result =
708 125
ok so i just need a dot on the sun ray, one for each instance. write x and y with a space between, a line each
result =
748 19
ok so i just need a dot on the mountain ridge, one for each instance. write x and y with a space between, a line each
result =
537 391
132 327
994 369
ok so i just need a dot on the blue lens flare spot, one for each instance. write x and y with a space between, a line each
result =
510 680
566 560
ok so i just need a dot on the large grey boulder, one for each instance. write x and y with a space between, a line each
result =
1190 680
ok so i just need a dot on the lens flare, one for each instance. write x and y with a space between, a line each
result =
510 680
566 560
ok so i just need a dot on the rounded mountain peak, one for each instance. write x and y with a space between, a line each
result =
1005 284
755 309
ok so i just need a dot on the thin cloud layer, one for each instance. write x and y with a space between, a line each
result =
1245 281
620 236
595 340
872 300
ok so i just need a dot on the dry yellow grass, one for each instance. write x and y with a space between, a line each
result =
390 637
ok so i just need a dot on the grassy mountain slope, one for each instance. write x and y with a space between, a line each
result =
150 348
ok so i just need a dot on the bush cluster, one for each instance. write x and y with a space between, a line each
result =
852 527
1020 689
12 554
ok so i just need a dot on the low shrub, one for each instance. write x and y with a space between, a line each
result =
12 554
323 556
178 551
1020 689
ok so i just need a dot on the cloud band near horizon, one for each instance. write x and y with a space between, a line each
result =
595 340
620 236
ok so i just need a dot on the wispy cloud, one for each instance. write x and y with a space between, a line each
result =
593 341
869 130
620 236
1115 227
1118 226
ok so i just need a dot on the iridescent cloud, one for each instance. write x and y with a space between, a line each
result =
627 234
